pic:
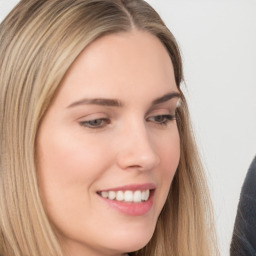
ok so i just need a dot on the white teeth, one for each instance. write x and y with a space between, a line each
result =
137 196
127 196
143 195
104 194
119 196
146 195
111 195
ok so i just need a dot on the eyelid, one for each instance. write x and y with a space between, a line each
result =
87 120
92 116
169 107
92 123
165 119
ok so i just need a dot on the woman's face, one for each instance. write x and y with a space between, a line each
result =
108 146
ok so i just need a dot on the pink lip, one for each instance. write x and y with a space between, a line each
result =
132 209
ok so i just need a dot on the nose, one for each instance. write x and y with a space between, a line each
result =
136 150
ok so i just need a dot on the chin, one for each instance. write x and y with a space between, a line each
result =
133 241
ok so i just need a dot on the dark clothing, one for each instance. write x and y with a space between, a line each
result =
244 235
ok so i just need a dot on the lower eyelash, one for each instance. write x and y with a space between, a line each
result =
167 119
87 124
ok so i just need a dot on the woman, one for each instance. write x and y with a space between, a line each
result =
97 153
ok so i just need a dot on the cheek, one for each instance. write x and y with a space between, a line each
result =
67 172
68 156
67 167
170 154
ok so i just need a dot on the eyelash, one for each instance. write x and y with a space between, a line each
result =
165 119
102 122
95 123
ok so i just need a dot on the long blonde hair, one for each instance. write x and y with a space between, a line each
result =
39 42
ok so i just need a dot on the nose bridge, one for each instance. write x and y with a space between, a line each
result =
137 149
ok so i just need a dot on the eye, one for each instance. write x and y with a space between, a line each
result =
95 123
161 119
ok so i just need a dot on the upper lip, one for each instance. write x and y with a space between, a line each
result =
132 187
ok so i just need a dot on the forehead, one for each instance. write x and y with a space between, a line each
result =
134 60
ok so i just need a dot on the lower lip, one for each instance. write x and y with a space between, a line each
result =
132 209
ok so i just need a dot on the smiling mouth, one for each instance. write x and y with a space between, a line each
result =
128 196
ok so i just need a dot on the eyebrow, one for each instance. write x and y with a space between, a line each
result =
99 101
166 97
118 103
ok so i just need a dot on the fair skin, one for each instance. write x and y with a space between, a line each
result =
125 140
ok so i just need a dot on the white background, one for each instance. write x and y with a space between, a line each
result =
218 43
